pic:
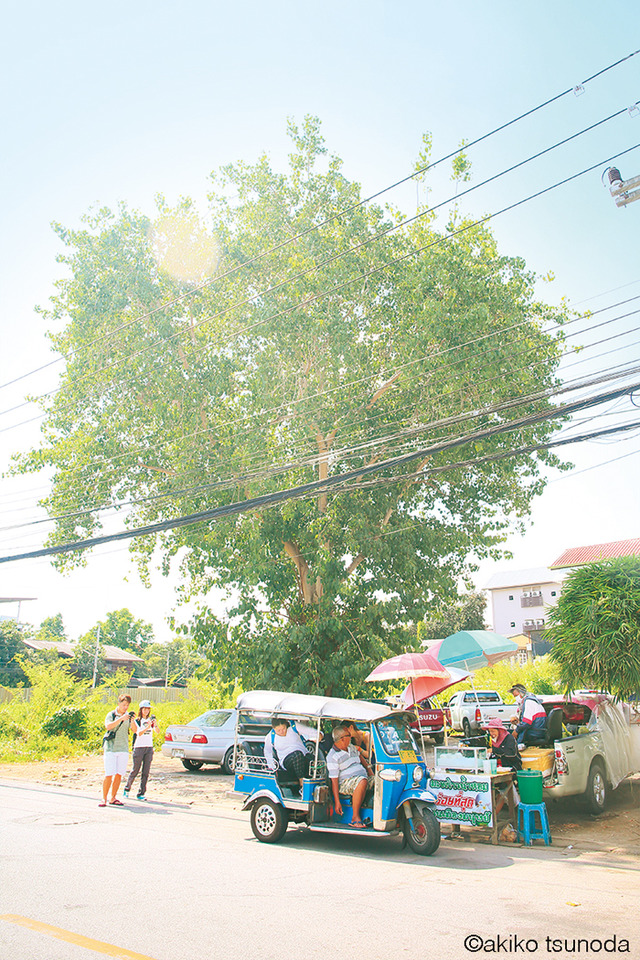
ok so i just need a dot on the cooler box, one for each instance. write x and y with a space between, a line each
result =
538 758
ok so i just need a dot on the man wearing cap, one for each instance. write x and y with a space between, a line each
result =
503 745
531 720
145 725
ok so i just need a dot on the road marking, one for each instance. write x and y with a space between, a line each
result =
97 945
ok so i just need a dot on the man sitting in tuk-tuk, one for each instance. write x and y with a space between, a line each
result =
349 772
285 748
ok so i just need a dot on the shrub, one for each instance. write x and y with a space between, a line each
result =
9 729
70 721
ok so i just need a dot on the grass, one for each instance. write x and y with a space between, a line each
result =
22 739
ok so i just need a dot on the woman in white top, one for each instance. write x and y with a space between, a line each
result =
145 726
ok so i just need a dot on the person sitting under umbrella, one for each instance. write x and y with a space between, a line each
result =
503 745
531 720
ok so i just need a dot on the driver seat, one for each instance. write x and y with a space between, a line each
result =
553 730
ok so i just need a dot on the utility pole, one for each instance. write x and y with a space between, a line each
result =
623 191
95 659
166 677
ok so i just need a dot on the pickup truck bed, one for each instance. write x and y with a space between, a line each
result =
595 755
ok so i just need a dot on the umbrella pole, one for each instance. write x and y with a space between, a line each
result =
424 751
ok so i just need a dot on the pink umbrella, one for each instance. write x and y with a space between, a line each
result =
424 687
409 665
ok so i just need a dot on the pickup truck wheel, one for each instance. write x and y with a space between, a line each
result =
423 833
596 792
192 764
268 821
438 738
466 727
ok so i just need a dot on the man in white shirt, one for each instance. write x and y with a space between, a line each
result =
285 748
349 772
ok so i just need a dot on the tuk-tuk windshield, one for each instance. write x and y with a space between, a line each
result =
396 738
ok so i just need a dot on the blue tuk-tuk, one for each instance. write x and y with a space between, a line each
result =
400 802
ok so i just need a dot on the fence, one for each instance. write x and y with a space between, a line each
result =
155 694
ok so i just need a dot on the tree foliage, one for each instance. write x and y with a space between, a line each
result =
52 628
84 657
178 660
12 649
198 375
443 620
595 627
121 629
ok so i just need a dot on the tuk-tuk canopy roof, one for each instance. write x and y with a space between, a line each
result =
318 707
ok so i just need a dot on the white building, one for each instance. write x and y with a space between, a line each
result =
520 600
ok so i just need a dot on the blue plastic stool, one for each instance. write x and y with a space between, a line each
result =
527 827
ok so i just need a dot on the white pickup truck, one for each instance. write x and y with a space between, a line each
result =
593 753
469 710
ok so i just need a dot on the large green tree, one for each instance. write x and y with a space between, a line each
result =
595 627
201 371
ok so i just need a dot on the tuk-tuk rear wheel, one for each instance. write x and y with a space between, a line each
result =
268 821
423 833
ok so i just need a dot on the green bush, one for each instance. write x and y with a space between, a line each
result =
9 729
70 721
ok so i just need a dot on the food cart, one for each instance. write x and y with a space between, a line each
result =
471 791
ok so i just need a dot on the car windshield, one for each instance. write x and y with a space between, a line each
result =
395 735
214 718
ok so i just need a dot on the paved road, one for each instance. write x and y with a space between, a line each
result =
168 882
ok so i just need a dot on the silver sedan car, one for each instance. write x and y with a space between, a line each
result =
209 738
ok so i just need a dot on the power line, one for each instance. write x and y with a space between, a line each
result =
393 262
263 473
314 269
349 209
335 482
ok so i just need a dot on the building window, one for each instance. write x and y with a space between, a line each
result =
553 593
511 597
512 623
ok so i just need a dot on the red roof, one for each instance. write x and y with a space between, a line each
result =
578 556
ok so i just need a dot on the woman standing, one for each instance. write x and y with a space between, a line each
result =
145 726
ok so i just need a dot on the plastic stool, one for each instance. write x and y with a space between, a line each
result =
527 828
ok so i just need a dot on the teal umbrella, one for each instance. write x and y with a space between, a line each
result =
472 649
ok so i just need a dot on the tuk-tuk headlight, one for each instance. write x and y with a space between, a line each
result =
418 774
391 774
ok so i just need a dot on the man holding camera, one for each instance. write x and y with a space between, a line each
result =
117 723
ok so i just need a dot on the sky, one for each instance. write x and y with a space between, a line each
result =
120 103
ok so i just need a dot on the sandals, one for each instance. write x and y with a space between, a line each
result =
102 804
116 803
358 824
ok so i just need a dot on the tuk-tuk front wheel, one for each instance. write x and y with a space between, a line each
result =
423 833
268 821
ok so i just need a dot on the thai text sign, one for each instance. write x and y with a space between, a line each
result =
462 798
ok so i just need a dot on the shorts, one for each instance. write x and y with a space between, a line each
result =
349 784
115 764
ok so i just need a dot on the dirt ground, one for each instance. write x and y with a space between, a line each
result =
571 824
